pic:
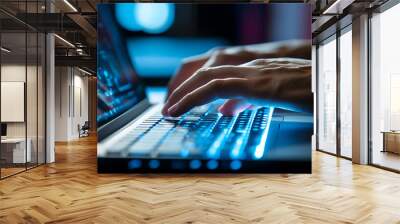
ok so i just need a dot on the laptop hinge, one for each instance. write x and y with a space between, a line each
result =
123 119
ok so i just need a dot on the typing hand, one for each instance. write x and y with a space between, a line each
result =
237 55
214 57
279 82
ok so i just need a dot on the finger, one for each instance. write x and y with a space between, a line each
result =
282 62
202 77
233 106
218 88
188 68
190 65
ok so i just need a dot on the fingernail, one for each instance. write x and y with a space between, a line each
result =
172 110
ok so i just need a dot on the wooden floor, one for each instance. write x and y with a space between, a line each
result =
70 191
386 159
5 172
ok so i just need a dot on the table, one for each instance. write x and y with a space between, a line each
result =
391 141
16 147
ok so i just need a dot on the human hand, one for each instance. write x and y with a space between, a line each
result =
214 57
279 82
237 55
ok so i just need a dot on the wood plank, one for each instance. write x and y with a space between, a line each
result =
71 191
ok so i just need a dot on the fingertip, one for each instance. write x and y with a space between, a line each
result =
164 113
233 107
173 111
226 111
164 110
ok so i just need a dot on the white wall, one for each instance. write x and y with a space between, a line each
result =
70 84
61 103
79 117
16 73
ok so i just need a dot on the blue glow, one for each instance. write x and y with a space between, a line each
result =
212 164
259 152
236 164
215 148
185 153
148 17
155 17
125 15
154 164
134 164
195 164
239 145
236 151
162 56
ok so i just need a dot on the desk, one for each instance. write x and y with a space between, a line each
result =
391 141
16 147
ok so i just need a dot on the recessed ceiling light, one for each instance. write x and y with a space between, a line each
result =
5 50
65 41
337 7
70 5
84 71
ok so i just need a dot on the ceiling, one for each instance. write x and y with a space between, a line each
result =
75 21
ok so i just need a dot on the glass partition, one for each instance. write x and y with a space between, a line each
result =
14 153
22 88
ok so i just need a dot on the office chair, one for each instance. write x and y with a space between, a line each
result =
84 130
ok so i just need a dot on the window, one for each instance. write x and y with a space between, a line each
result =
327 96
346 93
385 89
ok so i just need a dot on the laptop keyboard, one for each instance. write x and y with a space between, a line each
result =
199 133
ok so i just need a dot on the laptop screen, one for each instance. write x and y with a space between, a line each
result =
118 86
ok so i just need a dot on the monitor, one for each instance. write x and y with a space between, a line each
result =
3 129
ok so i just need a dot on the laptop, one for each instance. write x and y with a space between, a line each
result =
133 136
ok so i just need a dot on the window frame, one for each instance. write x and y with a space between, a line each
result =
335 36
